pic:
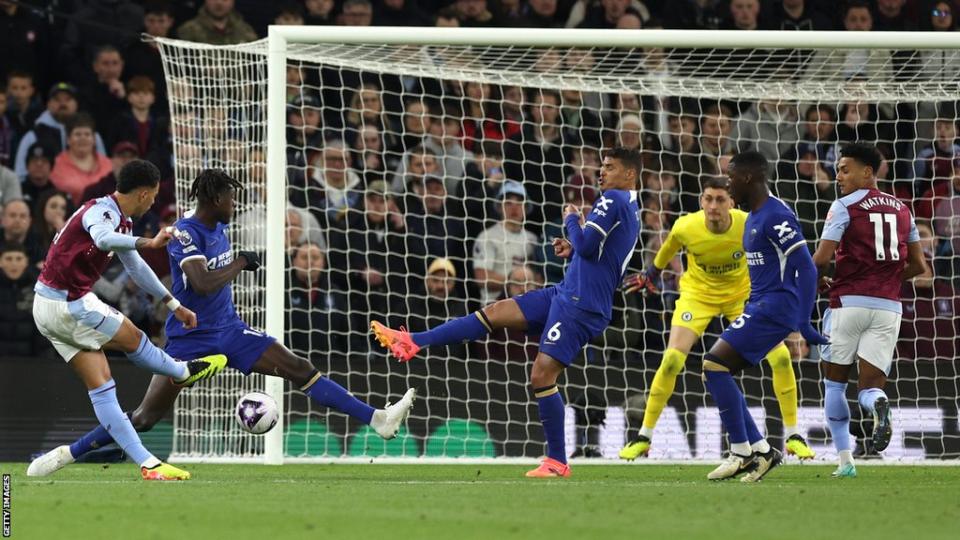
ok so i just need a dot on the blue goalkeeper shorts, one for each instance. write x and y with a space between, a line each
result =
242 346
563 328
756 331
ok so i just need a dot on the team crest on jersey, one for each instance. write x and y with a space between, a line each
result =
184 238
687 316
753 232
737 255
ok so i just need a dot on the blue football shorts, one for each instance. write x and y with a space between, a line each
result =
563 328
242 345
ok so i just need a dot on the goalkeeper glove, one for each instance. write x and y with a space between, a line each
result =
645 281
253 260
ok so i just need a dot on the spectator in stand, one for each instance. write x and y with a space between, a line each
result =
143 57
803 182
367 156
417 120
891 17
744 15
605 13
501 246
375 258
105 97
416 164
447 17
217 23
539 14
289 13
940 64
399 13
581 124
49 216
49 128
508 345
98 23
9 186
936 163
474 13
859 64
480 190
17 278
769 127
630 132
535 156
580 192
365 108
39 166
122 153
15 229
318 12
946 219
7 134
434 303
24 40
316 312
356 13
79 165
304 134
432 217
23 104
703 159
480 120
931 326
693 14
333 186
138 124
795 15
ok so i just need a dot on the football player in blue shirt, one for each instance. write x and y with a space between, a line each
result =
565 316
203 266
783 289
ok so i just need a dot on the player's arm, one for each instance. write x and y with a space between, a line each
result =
916 260
800 266
204 281
587 235
837 221
102 223
146 279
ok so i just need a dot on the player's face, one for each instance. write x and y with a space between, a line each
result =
614 175
850 175
145 198
226 203
716 203
739 184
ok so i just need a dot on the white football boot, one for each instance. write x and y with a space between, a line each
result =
51 462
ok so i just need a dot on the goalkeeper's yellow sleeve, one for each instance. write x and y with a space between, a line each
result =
669 249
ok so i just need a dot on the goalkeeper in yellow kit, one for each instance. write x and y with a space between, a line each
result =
714 283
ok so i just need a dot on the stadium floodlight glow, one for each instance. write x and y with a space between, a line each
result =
229 108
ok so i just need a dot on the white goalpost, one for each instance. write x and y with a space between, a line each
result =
319 122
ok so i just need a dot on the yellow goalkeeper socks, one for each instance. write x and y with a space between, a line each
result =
785 386
662 388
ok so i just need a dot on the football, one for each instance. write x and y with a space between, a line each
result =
257 413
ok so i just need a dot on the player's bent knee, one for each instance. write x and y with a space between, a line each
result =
712 363
673 362
779 357
144 421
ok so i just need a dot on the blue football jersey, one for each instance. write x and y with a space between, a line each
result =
196 241
589 284
769 236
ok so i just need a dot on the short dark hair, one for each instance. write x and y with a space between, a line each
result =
631 158
864 153
80 120
7 247
714 182
753 160
210 184
157 7
137 174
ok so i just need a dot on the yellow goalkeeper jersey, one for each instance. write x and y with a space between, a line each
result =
716 270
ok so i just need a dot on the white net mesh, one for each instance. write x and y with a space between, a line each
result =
437 129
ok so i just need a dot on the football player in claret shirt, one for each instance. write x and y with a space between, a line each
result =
783 290
203 266
80 325
565 316
876 245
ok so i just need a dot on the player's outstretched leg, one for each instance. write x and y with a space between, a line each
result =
159 398
143 353
785 387
279 361
550 403
874 400
664 382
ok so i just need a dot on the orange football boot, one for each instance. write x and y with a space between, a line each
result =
398 342
550 468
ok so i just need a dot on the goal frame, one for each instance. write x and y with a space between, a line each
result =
279 37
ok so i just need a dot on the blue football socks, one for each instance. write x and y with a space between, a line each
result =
330 394
467 328
550 404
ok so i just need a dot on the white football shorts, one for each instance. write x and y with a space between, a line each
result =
867 333
84 324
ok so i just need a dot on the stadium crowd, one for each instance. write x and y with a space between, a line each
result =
418 199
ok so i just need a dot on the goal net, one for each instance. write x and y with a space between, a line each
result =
407 154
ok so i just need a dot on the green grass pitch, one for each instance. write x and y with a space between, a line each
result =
483 501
